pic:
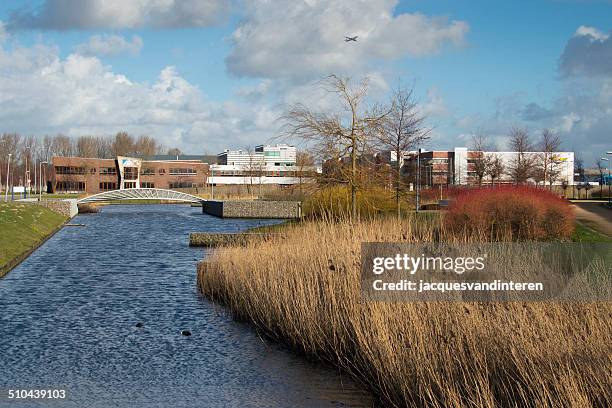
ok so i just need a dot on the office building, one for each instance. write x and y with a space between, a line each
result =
91 175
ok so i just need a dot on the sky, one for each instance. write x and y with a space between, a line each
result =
206 75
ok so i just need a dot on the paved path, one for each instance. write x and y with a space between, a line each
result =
595 215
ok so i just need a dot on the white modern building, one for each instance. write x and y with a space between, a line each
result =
279 155
265 165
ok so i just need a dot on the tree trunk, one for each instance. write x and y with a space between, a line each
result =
353 176
397 186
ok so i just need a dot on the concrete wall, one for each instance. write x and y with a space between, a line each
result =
253 209
66 207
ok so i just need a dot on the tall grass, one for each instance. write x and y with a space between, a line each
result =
303 288
333 202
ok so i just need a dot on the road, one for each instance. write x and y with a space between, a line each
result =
595 215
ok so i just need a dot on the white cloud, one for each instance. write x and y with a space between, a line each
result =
593 32
101 14
588 54
568 121
41 93
305 39
110 44
435 105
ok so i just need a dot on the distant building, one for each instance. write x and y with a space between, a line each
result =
279 155
204 158
90 175
265 165
458 166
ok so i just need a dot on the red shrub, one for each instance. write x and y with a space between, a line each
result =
510 212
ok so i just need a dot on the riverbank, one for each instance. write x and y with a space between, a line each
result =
24 227
303 289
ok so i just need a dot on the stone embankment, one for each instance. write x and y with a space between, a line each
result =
253 209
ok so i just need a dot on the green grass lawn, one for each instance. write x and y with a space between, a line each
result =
22 228
582 233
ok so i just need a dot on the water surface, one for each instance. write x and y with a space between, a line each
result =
68 317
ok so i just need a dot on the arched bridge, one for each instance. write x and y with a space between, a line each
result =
141 194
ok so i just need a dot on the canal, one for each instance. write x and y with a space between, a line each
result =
70 314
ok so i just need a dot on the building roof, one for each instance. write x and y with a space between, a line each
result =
204 158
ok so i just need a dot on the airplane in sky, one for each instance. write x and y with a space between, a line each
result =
347 39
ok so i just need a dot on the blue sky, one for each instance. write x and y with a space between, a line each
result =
204 76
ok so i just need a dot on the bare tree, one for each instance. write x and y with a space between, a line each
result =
579 167
521 166
63 146
549 160
481 162
402 127
145 147
303 161
87 146
495 167
104 147
9 144
346 132
174 152
254 169
123 144
47 147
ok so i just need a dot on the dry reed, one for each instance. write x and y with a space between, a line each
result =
303 289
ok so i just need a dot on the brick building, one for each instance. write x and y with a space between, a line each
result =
458 166
89 175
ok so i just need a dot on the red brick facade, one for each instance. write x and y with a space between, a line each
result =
85 175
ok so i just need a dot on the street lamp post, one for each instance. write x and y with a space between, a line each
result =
8 171
609 181
40 179
418 179
26 178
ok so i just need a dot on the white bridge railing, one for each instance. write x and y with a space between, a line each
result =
141 194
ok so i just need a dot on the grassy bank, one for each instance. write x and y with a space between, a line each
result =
23 227
583 233
303 289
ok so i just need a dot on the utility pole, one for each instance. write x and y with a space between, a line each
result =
40 179
418 178
8 171
26 178
35 178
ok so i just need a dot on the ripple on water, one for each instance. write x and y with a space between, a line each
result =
69 315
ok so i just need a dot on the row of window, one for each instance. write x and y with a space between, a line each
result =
108 170
182 184
69 170
67 186
79 186
130 172
182 171
107 185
